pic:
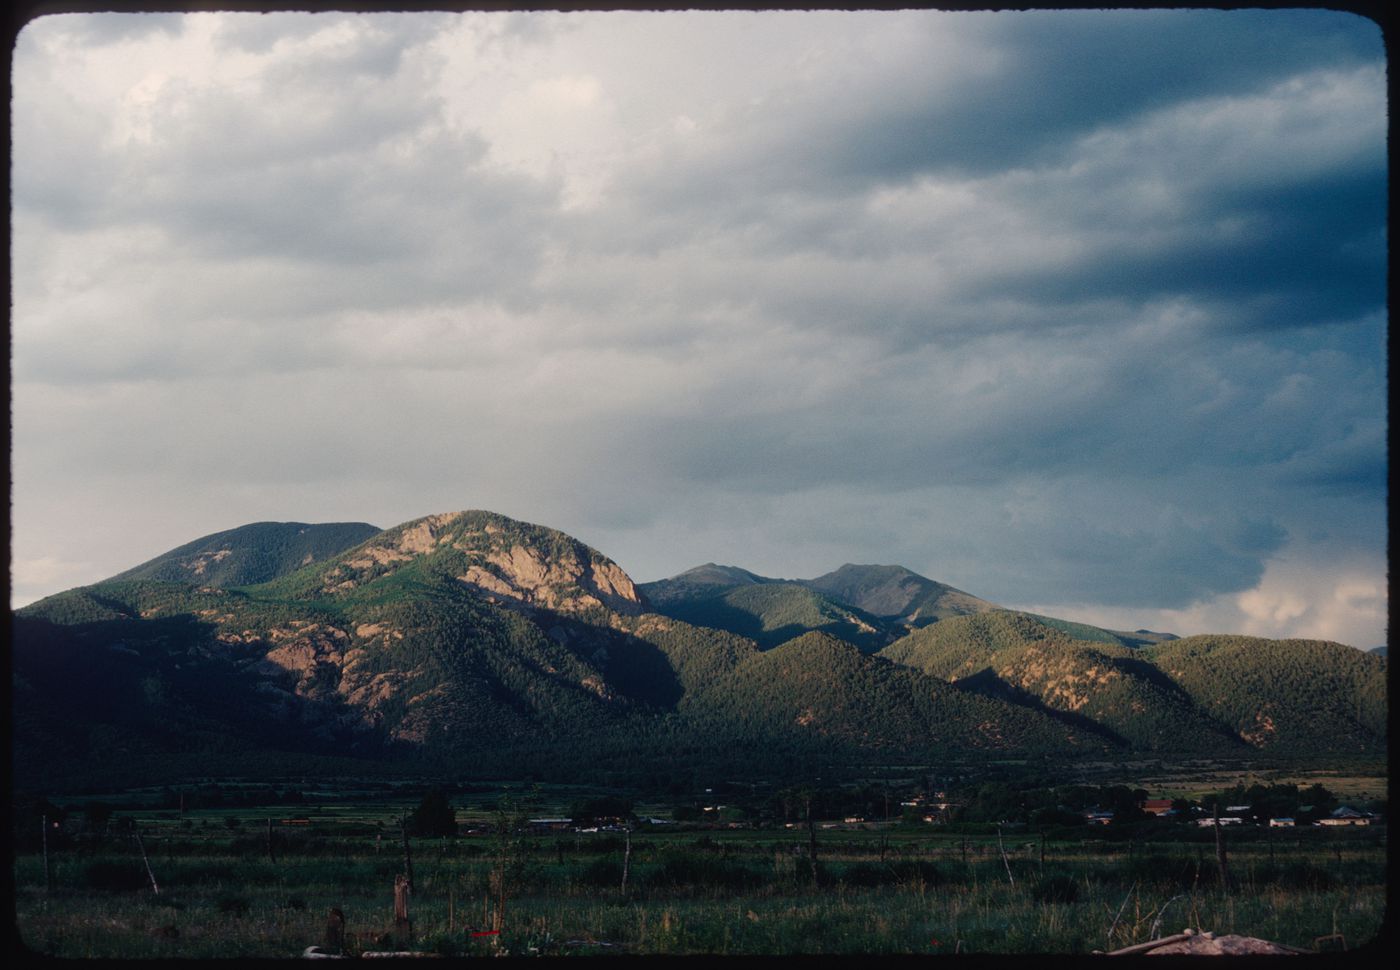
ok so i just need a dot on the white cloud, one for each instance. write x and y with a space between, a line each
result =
785 289
1306 592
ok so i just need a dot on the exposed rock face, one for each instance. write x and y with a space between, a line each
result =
392 548
565 585
545 569
509 562
305 655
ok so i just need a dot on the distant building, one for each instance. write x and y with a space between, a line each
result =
1159 806
1225 820
551 824
1345 815
1281 823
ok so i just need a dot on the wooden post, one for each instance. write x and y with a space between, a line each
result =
407 855
1042 850
626 861
142 846
498 915
811 840
335 930
1220 857
403 929
1004 861
451 912
44 835
271 856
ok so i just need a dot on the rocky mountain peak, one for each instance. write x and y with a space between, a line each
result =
509 562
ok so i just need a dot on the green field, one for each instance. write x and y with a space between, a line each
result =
874 888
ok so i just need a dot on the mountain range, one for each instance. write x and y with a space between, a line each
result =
472 644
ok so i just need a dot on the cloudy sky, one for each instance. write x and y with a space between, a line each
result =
1081 312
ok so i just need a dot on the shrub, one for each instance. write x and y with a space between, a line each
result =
703 871
887 874
234 905
114 876
1165 871
208 872
601 872
868 874
1056 889
1298 875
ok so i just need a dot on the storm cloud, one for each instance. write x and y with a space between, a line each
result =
1081 311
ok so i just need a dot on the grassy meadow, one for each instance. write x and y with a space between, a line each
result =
898 889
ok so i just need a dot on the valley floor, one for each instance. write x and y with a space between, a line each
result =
721 892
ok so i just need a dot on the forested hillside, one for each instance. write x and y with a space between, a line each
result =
471 643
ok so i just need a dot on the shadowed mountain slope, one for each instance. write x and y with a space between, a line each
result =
699 583
251 554
897 594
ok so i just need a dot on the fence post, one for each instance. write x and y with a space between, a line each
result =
44 835
1220 856
142 846
1002 849
407 855
335 930
626 861
403 929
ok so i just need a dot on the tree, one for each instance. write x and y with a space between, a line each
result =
508 862
97 815
433 816
588 811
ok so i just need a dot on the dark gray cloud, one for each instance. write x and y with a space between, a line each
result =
103 29
1055 76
